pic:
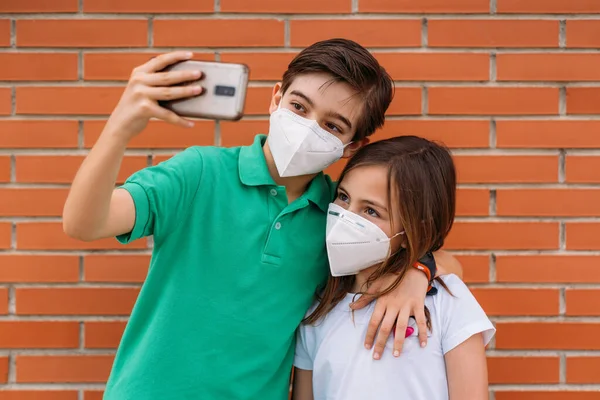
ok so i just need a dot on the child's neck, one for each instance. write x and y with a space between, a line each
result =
360 280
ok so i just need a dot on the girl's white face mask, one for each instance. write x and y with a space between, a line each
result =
354 243
300 146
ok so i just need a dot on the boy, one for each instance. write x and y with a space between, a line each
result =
238 233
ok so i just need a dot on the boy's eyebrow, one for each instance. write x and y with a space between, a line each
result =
339 116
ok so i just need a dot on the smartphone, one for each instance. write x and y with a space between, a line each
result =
224 94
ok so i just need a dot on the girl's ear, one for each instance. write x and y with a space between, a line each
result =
353 147
275 97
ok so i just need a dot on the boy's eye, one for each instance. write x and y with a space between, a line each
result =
298 107
332 127
343 197
372 212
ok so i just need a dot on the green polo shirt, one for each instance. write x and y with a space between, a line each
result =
233 270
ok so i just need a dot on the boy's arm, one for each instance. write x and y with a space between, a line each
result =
447 264
466 368
302 388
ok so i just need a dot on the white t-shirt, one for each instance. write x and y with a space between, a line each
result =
344 370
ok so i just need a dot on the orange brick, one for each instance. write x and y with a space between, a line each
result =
476 269
583 33
583 100
119 66
75 301
583 302
548 269
548 67
547 134
548 6
50 236
263 66
472 202
424 6
548 202
258 100
93 395
148 6
5 169
369 33
116 268
39 6
516 302
452 133
4 32
39 334
583 236
34 268
503 236
159 135
582 169
25 202
82 33
547 336
34 169
505 169
3 301
3 369
232 33
28 134
492 33
63 369
583 370
18 394
436 66
158 159
5 235
5 101
493 101
38 66
67 100
288 7
546 395
103 335
242 133
524 370
407 101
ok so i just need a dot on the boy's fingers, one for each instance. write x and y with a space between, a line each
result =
170 78
374 323
401 324
174 92
169 116
422 325
162 61
384 333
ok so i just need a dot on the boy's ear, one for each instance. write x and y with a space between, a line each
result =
353 147
275 97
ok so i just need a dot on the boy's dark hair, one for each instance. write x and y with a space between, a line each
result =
348 62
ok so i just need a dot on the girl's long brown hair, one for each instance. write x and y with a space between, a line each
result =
422 180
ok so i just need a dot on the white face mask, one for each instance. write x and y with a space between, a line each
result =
354 243
300 146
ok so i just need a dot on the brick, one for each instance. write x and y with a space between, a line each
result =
34 169
583 100
546 395
116 268
25 202
583 370
39 334
472 202
258 100
3 369
63 369
5 169
232 33
547 134
75 301
583 33
548 202
503 236
29 134
523 370
476 268
50 236
39 6
4 32
424 6
436 66
548 67
493 101
242 133
158 159
492 33
582 169
119 66
452 133
287 7
148 6
5 101
159 135
103 335
517 302
5 235
548 269
369 33
3 301
82 33
407 101
38 66
35 269
506 169
583 302
547 6
22 394
547 336
93 395
67 100
583 236
263 66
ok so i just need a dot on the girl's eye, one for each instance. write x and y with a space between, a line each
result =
343 197
332 127
298 107
372 212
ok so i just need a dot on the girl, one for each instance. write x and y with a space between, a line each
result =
395 203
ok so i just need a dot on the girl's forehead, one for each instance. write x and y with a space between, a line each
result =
366 181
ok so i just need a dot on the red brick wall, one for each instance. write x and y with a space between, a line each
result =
512 86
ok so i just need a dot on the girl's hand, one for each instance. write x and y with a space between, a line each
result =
145 88
396 307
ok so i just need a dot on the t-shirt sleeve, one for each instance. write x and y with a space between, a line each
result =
461 315
305 347
163 194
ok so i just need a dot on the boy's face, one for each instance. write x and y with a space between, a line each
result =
334 105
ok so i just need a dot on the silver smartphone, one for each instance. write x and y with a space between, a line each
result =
224 94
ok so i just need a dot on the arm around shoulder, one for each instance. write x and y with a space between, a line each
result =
447 264
303 388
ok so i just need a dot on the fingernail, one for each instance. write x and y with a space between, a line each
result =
196 74
190 124
396 353
368 346
197 89
376 356
189 54
423 344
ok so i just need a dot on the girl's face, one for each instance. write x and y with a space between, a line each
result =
364 191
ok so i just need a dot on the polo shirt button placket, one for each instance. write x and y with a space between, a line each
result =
273 192
278 225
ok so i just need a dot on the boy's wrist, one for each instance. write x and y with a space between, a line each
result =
427 266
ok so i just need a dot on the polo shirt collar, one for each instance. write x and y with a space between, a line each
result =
253 171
